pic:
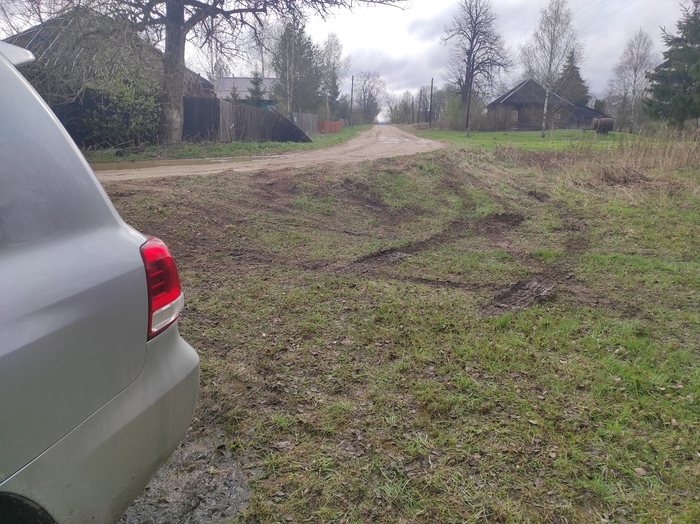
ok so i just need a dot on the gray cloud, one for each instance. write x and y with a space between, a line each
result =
429 29
409 72
419 56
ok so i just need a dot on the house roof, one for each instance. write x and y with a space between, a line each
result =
586 113
224 86
528 92
86 43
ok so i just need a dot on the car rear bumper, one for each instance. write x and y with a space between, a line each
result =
96 470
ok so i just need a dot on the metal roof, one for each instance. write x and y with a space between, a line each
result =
224 85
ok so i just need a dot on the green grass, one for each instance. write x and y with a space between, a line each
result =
203 150
558 140
360 351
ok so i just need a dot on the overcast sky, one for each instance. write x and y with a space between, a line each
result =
404 45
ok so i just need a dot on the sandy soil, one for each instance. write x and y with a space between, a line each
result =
378 142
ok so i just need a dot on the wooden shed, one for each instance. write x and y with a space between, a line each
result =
520 109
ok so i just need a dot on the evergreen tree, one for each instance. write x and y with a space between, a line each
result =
234 96
298 74
256 93
570 85
332 93
675 84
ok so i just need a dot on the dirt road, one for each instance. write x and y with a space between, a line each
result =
378 142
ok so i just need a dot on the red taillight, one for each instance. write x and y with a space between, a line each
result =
165 300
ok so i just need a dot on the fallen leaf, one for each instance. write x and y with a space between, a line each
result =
640 471
533 422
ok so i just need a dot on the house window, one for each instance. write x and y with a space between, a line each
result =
514 116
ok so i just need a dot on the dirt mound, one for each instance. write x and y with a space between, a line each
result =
523 293
509 219
538 195
542 160
621 176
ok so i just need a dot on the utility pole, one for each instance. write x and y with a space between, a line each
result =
420 99
352 92
430 115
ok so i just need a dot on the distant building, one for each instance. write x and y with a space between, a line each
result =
224 86
520 109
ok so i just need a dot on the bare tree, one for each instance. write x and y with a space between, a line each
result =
334 68
478 53
628 84
209 58
260 46
401 110
370 93
175 22
544 55
18 15
178 20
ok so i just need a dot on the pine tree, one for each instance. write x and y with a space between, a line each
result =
675 84
570 85
234 96
298 75
256 93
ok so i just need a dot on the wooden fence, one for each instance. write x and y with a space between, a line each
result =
215 119
329 126
201 118
250 124
306 122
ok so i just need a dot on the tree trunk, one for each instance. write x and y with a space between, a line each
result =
469 108
174 69
544 113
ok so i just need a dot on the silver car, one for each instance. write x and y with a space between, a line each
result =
97 387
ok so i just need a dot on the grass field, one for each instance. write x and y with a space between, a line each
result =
491 335
217 150
560 139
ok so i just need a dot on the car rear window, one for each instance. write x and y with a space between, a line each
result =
45 188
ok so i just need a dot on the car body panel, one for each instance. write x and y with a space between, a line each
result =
78 325
74 311
108 459
89 407
16 55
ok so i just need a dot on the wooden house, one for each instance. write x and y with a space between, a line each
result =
520 109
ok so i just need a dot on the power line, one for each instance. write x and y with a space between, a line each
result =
584 7
587 10
607 16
